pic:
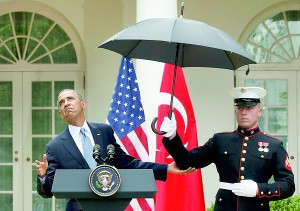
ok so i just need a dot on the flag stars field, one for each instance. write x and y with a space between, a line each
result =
126 100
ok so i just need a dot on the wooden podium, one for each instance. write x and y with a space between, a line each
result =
74 183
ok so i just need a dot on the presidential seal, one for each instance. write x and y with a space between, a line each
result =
104 180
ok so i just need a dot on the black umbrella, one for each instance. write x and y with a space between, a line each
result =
179 41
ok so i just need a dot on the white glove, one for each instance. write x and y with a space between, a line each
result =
247 188
168 126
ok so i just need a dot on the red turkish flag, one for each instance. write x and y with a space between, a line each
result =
179 192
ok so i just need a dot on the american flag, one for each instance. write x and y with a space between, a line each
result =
127 118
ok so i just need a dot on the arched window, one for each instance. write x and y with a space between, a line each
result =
276 39
32 38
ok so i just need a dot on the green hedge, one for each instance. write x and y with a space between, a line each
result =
289 204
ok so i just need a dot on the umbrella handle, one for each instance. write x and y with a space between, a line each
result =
155 120
154 129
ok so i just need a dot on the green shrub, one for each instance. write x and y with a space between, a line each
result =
211 208
289 204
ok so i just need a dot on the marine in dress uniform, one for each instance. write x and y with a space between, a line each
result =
245 159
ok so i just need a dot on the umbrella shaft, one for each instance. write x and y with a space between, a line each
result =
174 81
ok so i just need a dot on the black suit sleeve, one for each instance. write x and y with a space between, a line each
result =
124 161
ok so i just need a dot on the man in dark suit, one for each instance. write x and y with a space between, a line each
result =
65 151
245 159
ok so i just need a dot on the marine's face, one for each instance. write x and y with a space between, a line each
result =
70 105
247 116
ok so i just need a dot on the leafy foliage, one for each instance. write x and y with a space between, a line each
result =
289 204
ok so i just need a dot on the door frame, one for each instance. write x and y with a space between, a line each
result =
28 78
22 164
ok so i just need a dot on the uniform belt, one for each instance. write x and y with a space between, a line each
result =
226 185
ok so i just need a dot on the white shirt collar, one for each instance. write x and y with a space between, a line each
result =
75 131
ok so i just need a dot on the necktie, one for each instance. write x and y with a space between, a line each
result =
87 149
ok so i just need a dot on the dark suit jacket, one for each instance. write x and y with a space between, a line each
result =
63 153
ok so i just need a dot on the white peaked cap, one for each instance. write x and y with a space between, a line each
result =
247 96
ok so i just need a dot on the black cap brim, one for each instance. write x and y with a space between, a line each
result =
246 101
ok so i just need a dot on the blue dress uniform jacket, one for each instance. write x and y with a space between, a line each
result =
240 155
63 153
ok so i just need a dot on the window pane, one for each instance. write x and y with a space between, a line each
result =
39 203
278 51
39 147
6 122
6 150
45 59
277 26
6 176
5 27
41 25
21 21
60 85
296 41
6 202
12 46
293 17
64 55
287 44
40 52
262 121
284 139
6 94
4 61
277 92
56 38
278 121
258 83
60 124
31 47
41 122
258 53
41 94
276 58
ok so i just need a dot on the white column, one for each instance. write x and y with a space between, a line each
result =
149 73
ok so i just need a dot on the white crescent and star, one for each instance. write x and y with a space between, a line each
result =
165 99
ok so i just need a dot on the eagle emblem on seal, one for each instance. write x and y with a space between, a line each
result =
105 180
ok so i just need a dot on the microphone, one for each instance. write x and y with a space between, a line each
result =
110 153
97 153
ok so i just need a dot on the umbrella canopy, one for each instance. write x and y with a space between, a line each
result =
179 41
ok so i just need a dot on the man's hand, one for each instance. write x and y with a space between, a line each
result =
173 168
169 126
246 188
41 167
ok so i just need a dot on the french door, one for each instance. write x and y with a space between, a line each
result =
28 120
281 108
